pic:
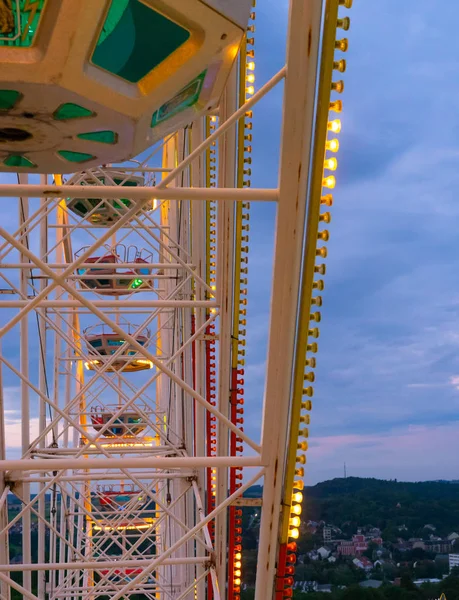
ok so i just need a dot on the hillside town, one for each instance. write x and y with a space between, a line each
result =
371 560
368 539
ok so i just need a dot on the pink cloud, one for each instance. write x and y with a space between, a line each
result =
413 453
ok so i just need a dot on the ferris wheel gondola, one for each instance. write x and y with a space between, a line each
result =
103 343
128 424
117 497
121 574
113 280
103 212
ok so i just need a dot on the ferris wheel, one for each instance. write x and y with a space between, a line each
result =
125 147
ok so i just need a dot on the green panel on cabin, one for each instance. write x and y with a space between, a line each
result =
187 97
9 99
16 160
135 39
75 157
19 28
125 203
115 342
103 137
128 182
69 111
81 208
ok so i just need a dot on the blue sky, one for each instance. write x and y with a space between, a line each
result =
387 393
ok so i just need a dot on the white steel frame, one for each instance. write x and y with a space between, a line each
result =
177 462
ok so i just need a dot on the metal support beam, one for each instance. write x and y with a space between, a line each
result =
25 395
99 565
298 119
139 193
113 303
35 465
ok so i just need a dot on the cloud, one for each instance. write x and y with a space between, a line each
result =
370 158
13 431
389 336
403 454
386 381
13 420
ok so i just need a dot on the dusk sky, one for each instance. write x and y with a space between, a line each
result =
387 394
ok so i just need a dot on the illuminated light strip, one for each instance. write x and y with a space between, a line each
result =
133 362
124 445
211 262
246 89
320 178
147 523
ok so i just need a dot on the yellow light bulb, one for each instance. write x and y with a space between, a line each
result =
238 556
329 182
334 126
332 145
336 106
213 119
331 164
342 45
338 86
294 534
237 573
237 581
250 90
297 497
213 287
237 564
340 65
296 509
251 66
344 23
295 521
251 78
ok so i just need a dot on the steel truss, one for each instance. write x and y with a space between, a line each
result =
128 481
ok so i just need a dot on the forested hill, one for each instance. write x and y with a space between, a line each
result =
357 502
